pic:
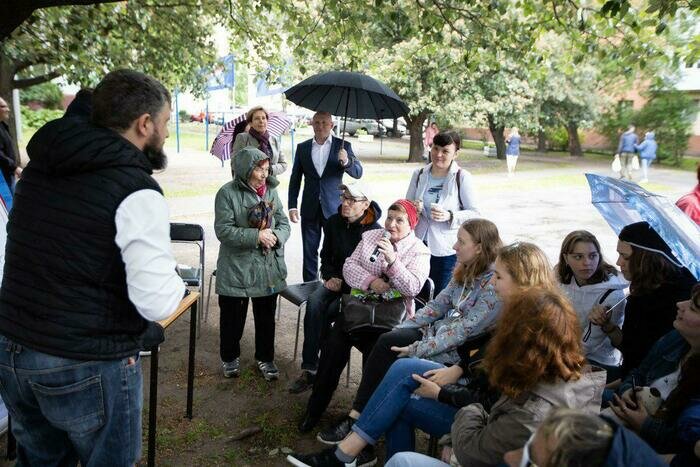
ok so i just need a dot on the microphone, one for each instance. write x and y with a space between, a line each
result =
375 254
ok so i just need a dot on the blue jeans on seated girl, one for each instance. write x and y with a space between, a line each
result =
64 411
393 409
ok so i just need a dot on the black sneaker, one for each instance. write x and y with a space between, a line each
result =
367 457
303 383
232 368
325 458
336 433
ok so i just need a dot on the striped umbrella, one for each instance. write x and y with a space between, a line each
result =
278 124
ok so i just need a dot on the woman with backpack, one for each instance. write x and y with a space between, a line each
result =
444 198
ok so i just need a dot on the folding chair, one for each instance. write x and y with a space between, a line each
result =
298 295
193 234
425 295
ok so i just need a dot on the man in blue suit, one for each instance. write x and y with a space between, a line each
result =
321 161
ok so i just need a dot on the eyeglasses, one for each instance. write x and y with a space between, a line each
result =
351 200
526 460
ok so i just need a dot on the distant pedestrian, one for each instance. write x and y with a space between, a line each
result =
8 159
647 153
512 151
690 203
430 131
626 149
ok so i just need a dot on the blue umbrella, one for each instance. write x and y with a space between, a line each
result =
622 203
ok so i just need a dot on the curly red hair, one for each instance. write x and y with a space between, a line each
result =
537 340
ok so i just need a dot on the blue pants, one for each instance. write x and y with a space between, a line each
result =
393 410
441 270
64 411
311 238
414 459
322 308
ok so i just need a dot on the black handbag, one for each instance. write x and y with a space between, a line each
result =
369 313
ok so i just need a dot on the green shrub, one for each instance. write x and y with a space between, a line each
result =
184 116
360 132
37 118
49 95
557 138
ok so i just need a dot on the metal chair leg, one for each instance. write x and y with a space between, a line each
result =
206 310
296 339
347 372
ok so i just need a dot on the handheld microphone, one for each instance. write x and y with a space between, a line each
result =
375 254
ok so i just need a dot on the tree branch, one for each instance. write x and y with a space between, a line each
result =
15 12
25 83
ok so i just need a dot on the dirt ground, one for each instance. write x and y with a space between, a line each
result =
547 198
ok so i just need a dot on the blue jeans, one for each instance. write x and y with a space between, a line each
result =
322 308
414 459
64 411
441 270
393 410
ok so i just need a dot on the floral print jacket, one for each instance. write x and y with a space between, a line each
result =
457 313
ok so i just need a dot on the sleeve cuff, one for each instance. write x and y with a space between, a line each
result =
366 283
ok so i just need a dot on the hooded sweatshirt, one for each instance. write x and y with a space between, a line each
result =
598 347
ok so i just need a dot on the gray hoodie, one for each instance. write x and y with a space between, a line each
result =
480 438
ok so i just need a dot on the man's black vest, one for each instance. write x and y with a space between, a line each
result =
64 287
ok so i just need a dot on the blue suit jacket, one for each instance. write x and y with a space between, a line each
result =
321 194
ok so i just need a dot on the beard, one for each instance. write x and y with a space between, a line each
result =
153 149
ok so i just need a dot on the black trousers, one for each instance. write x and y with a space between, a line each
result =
311 229
335 353
380 360
232 322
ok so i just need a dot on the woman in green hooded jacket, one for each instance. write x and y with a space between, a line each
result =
252 227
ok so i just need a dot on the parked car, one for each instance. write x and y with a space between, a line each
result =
401 129
371 127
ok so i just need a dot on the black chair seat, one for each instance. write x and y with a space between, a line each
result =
299 293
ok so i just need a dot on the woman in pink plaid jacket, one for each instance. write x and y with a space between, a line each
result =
402 265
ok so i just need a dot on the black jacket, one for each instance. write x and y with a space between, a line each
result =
64 288
340 238
648 317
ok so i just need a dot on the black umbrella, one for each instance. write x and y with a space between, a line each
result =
349 94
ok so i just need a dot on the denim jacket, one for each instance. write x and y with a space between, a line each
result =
663 359
458 312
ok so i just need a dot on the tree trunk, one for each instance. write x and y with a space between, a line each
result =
6 76
541 141
574 143
497 133
395 129
415 128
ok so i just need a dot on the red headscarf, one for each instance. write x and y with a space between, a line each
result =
410 211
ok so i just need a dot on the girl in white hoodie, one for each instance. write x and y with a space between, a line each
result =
590 282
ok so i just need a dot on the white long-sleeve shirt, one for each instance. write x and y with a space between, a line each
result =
143 236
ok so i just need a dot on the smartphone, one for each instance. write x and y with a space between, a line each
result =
634 390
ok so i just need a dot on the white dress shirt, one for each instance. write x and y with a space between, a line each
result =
320 153
143 236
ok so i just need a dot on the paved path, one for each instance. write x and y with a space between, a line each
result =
542 203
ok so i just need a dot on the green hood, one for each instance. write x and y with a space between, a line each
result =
243 163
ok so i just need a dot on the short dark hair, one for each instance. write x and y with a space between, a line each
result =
445 138
123 96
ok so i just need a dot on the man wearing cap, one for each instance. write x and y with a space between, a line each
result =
356 214
321 161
